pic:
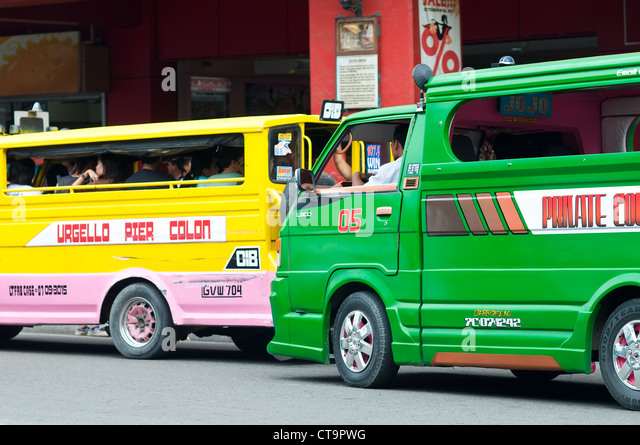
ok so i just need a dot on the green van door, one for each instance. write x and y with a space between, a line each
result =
356 223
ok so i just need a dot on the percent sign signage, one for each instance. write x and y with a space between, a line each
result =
440 39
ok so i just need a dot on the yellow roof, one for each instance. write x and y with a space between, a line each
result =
154 130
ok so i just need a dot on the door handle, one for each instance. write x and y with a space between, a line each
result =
383 211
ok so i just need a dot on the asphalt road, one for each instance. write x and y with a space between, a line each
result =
61 379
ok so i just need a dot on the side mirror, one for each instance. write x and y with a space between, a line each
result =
421 75
305 180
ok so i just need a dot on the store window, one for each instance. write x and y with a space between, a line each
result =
210 97
64 111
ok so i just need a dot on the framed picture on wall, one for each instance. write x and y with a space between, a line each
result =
357 35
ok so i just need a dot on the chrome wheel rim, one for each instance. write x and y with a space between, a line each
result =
137 322
356 341
626 355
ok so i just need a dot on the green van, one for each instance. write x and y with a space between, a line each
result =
509 237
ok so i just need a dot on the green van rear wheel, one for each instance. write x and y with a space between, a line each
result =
620 354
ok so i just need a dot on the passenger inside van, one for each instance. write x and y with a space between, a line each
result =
490 143
388 173
342 158
486 152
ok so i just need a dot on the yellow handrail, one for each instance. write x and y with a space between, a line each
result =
306 138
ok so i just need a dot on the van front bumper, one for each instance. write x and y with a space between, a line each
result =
297 334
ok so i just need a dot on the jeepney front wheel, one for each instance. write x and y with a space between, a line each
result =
620 354
362 342
138 317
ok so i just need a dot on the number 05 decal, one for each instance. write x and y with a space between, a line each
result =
349 220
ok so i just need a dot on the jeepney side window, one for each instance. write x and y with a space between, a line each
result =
285 154
199 158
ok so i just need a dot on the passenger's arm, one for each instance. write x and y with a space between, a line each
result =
86 174
359 178
341 163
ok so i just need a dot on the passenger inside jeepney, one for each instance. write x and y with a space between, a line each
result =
203 165
230 165
179 167
20 176
80 166
109 170
149 171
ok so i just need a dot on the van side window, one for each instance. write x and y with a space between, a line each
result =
546 124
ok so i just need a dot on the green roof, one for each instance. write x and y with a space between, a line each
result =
597 71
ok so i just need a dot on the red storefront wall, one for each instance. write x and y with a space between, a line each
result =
614 23
145 36
170 31
398 49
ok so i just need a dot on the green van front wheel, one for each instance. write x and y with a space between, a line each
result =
362 342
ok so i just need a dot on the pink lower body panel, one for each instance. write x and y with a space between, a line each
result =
208 299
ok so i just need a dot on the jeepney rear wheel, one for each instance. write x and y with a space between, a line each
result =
620 354
137 319
7 332
362 342
253 341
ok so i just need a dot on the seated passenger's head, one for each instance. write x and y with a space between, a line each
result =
108 166
21 171
400 134
399 139
204 164
230 159
179 166
150 161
